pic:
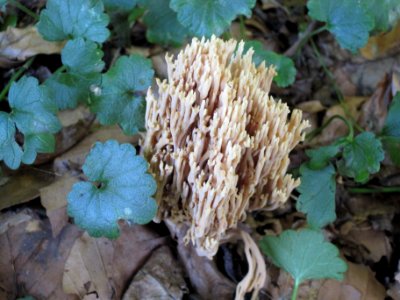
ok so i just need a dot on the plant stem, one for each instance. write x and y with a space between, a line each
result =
15 77
339 94
384 189
317 131
295 290
242 28
60 69
24 9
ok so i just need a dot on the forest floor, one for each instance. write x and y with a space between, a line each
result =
44 255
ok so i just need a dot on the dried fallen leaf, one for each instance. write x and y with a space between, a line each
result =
54 199
23 186
160 278
103 266
203 272
359 284
382 44
22 43
31 260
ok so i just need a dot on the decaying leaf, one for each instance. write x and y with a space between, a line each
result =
53 198
23 186
18 44
104 267
31 260
160 278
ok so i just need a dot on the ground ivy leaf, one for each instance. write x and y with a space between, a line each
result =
67 90
125 5
320 157
162 24
208 17
10 151
317 195
122 97
304 254
284 65
31 112
37 143
361 157
348 20
82 57
380 10
392 122
66 19
125 190
392 146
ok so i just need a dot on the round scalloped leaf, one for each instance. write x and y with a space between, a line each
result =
286 71
121 188
361 157
121 99
162 24
304 254
67 19
348 20
10 151
317 195
208 17
82 57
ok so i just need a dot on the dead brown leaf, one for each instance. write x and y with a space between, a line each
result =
23 186
359 284
22 43
104 267
382 44
54 199
204 275
160 278
31 260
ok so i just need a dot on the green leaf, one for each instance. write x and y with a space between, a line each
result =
320 157
10 151
124 191
392 122
380 11
317 195
68 90
361 157
3 4
122 97
82 57
284 65
34 116
208 17
348 20
392 146
125 5
304 254
162 24
68 19
31 112
37 143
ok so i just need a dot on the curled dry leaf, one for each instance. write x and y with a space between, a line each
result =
53 198
160 278
103 266
31 260
18 44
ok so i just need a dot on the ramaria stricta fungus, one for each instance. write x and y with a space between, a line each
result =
218 144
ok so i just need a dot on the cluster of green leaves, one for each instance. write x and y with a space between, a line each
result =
352 21
304 254
33 114
352 157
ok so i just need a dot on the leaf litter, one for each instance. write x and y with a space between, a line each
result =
44 255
